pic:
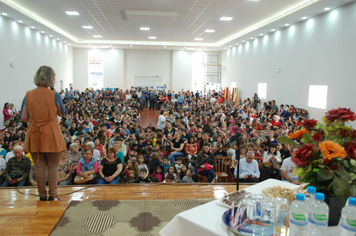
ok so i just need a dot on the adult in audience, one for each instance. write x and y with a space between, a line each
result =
65 170
117 145
273 156
96 153
7 115
177 148
110 169
74 155
287 170
44 140
17 169
161 124
206 165
248 168
88 167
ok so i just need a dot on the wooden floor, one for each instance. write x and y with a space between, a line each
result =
22 214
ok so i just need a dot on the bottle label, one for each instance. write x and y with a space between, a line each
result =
258 209
348 224
299 219
318 219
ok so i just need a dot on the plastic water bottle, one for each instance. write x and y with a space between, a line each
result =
310 196
298 216
348 218
318 216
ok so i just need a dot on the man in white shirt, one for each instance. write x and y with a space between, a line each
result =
248 170
287 171
161 124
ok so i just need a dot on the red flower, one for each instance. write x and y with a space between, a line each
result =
354 133
342 114
300 157
309 123
316 137
351 149
333 166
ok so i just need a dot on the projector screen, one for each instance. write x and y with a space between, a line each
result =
147 81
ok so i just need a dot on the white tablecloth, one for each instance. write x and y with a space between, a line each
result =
207 219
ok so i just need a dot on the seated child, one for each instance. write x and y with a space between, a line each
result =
143 176
169 178
165 164
179 164
159 173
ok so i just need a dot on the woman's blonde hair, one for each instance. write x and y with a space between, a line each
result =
45 76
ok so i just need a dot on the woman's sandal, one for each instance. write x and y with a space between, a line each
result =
54 199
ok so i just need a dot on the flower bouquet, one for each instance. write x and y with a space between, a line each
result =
326 155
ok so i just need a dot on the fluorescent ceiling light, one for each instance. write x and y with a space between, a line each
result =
273 30
226 18
286 24
152 37
210 31
244 41
57 38
50 36
236 44
165 46
304 18
97 36
68 43
251 38
87 27
230 46
327 9
20 21
144 28
32 27
42 32
225 48
261 34
198 39
72 13
4 14
130 45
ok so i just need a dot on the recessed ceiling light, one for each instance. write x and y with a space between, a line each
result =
185 47
64 41
210 31
304 17
152 37
20 21
327 9
144 28
261 34
97 36
42 32
68 43
4 14
110 45
57 38
286 24
72 13
236 44
32 27
225 48
230 46
50 35
198 39
251 38
87 27
165 46
226 18
130 45
273 30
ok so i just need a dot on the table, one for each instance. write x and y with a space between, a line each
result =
206 219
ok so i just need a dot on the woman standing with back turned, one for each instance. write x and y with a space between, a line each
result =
44 139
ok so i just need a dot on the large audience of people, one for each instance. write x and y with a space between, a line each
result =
107 144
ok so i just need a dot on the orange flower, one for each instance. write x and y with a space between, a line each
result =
298 134
330 150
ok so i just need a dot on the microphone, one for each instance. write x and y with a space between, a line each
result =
235 137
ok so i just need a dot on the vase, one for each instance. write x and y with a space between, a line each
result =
335 207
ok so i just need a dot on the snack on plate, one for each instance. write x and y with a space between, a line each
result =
236 197
282 191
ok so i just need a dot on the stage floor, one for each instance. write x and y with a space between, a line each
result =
22 214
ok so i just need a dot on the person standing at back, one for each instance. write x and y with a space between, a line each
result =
44 140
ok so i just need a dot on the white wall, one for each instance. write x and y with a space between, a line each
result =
29 50
113 67
318 51
182 70
148 63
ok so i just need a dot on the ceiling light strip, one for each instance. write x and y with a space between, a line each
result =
267 21
39 19
150 43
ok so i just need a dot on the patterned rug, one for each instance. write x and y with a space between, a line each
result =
126 217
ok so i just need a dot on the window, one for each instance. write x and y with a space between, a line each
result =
262 90
318 96
95 70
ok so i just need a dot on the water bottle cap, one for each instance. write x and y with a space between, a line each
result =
311 189
352 200
300 197
320 196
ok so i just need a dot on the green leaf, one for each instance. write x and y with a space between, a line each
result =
330 128
307 138
345 128
325 131
321 166
316 170
325 121
341 172
324 175
346 163
341 188
297 170
352 176
287 140
353 162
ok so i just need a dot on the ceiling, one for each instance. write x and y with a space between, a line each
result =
175 23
